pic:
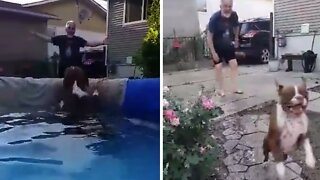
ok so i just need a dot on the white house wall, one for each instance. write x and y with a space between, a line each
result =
245 8
181 16
299 44
87 35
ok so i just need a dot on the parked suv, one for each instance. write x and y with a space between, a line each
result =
254 40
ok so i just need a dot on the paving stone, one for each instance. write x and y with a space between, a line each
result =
228 132
290 174
298 178
230 145
242 147
237 168
259 172
228 124
264 117
295 167
248 125
233 158
254 140
235 136
262 125
251 157
235 176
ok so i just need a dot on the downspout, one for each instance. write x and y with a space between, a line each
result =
106 46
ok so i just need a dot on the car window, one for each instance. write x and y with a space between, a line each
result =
253 26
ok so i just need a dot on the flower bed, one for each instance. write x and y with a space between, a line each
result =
188 150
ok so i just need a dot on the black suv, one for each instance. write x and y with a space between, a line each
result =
254 40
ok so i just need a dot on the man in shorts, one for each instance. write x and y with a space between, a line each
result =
223 39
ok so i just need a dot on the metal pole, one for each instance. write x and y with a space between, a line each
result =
271 42
106 46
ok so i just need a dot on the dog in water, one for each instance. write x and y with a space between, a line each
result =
288 128
77 100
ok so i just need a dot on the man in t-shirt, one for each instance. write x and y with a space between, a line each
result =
223 39
69 47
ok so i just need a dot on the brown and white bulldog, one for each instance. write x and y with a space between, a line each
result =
288 128
76 99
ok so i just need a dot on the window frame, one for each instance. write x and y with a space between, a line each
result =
144 3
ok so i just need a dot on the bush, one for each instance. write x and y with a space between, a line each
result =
148 57
188 151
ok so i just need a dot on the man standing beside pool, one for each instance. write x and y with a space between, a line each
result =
69 46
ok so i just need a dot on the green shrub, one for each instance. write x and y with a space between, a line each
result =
188 151
148 57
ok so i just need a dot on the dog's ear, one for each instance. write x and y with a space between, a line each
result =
278 86
304 82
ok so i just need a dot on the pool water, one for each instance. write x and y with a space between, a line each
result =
48 146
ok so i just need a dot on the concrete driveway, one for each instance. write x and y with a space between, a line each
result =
256 82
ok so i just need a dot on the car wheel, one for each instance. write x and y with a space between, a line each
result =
264 55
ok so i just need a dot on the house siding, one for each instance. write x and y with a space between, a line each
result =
67 10
124 40
289 15
16 41
184 23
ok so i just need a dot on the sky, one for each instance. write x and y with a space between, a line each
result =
101 2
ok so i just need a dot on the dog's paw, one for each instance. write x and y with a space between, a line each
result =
61 104
281 170
311 161
77 91
95 93
265 164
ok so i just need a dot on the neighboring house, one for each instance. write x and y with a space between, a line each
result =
180 17
89 16
127 26
17 44
262 8
289 16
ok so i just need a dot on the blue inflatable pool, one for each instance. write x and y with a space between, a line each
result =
142 99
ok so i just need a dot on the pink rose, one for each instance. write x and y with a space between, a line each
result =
207 103
169 114
203 150
165 103
175 122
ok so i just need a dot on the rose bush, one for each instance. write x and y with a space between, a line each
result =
188 150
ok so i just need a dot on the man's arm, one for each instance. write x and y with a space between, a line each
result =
98 43
42 36
236 28
210 40
210 34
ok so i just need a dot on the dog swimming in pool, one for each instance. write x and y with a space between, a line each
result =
77 100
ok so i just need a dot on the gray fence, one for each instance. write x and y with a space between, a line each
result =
191 49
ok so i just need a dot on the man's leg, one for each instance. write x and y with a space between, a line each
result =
218 67
233 64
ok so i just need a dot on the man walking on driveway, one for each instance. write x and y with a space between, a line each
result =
69 47
223 39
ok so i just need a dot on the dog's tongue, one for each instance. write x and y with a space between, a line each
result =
296 109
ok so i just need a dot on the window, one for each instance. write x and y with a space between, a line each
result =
254 26
136 10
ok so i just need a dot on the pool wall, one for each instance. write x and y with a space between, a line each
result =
134 98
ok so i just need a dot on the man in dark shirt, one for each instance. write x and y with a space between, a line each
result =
223 39
69 47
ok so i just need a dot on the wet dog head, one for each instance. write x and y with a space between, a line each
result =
293 99
74 75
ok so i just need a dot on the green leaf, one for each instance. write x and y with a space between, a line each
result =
194 159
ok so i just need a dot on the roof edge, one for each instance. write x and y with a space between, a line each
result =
30 13
39 3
